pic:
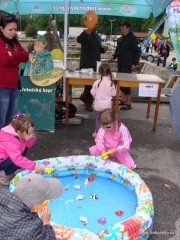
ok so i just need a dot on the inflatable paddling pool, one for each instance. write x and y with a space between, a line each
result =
101 199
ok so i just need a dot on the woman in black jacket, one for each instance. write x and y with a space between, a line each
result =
163 53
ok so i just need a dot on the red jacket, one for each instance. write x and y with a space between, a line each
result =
9 70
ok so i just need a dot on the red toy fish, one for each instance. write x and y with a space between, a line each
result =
119 212
90 179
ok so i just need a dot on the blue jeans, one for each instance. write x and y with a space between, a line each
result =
162 60
8 105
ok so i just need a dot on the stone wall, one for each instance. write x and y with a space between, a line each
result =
152 68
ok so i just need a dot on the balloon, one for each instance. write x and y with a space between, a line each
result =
90 19
153 36
57 54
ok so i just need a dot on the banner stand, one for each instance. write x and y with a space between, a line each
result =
38 103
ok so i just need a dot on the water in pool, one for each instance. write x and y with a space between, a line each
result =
111 196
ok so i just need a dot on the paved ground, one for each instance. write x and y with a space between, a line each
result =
156 153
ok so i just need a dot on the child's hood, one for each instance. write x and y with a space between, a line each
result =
9 129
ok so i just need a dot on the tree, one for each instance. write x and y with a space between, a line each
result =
151 23
31 31
138 24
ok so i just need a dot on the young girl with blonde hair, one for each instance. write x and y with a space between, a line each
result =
103 90
113 136
15 138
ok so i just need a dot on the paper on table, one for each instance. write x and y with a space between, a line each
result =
148 90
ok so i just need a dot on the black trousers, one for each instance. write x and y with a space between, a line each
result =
86 95
125 90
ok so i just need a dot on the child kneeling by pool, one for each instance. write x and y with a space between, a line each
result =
18 209
115 137
15 138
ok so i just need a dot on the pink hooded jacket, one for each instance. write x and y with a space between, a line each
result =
103 94
12 147
119 138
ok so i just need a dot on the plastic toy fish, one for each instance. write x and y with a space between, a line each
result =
90 179
119 212
102 220
94 197
46 162
40 207
86 183
105 155
84 219
77 187
48 170
79 197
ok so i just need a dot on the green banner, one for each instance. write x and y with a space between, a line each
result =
38 103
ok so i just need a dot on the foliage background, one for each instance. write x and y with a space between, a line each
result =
40 22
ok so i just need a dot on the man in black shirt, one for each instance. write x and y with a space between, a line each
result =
163 52
128 52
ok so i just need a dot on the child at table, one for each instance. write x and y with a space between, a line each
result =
102 90
15 138
113 136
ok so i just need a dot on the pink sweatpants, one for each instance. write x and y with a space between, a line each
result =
124 158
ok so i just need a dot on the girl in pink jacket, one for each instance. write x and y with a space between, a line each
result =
14 141
103 90
113 136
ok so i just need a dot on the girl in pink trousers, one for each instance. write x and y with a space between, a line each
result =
114 136
15 138
102 91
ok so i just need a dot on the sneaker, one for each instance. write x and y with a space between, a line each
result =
82 97
134 167
4 179
88 106
18 171
126 107
168 95
122 103
94 135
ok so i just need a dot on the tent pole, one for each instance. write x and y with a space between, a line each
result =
65 43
